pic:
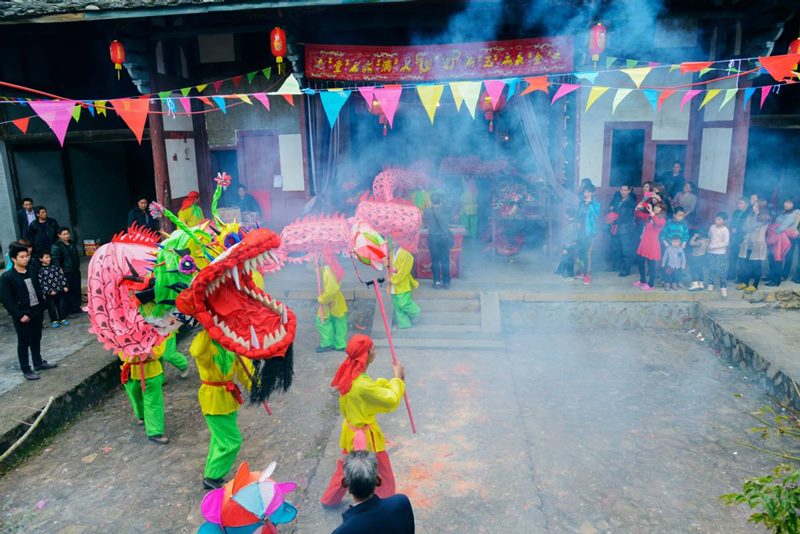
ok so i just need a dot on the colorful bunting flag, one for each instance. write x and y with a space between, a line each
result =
164 94
457 98
220 101
388 98
537 83
369 94
290 86
134 112
610 60
511 83
619 97
729 94
206 101
217 84
673 68
88 105
780 67
494 88
251 76
594 93
652 96
262 97
245 99
638 75
289 99
471 92
186 103
237 80
185 91
705 71
588 76
100 106
710 94
332 103
200 88
565 89
56 114
631 63
22 124
76 113
430 95
764 94
694 66
665 94
748 94
688 95
267 72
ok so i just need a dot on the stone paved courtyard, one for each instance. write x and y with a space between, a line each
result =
568 431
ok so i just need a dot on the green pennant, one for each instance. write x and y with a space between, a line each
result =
267 72
631 63
674 67
186 90
164 94
705 71
251 76
610 60
76 112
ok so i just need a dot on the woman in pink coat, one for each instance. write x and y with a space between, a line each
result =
649 250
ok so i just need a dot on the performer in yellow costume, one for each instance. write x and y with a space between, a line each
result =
360 399
147 403
332 325
403 285
469 208
220 399
190 212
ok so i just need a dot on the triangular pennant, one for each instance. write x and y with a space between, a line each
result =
186 103
665 94
705 71
236 81
687 96
261 97
764 94
610 60
588 76
88 105
512 87
729 94
748 94
100 106
206 101
200 88
780 67
251 76
289 99
134 112
457 98
267 72
220 101
290 86
673 68
630 63
56 114
710 94
494 88
332 103
368 93
594 93
619 97
164 94
471 92
565 89
245 99
76 113
638 75
430 95
694 66
652 96
22 124
185 91
537 83
388 98
217 84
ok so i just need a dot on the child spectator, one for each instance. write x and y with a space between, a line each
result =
697 260
54 288
649 250
753 250
718 241
566 267
673 263
677 227
588 214
736 236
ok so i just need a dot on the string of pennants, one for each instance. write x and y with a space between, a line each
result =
58 114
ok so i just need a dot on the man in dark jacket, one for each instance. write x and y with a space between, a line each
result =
25 217
42 231
141 216
370 513
65 255
23 299
623 230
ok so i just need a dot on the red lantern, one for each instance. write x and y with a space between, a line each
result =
376 110
277 42
597 41
485 103
117 53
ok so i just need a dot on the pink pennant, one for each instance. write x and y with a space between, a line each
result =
217 85
687 96
388 98
186 103
495 90
134 112
56 114
262 97
565 89
368 93
764 94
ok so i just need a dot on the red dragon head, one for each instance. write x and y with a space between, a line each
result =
237 314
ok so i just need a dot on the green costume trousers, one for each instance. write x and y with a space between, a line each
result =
470 222
224 445
148 405
405 309
173 357
332 332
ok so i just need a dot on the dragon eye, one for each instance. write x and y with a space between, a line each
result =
231 239
187 265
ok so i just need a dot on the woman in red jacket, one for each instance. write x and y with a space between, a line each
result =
649 250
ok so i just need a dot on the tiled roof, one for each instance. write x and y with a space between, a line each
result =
28 9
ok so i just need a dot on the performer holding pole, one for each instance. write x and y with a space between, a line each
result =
360 399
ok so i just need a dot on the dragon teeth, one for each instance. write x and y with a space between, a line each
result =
235 275
266 341
254 338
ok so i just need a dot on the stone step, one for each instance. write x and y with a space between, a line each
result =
433 331
449 305
445 344
449 318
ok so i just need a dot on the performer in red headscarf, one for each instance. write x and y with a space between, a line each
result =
360 399
190 212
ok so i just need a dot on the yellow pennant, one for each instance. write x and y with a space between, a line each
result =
430 96
638 74
710 94
595 93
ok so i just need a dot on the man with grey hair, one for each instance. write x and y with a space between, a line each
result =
369 513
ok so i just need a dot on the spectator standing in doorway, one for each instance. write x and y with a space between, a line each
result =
588 214
141 216
687 199
42 231
65 256
623 230
440 241
25 217
674 179
245 201
22 298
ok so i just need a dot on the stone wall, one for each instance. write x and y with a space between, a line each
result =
624 315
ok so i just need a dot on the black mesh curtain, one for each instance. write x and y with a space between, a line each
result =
324 150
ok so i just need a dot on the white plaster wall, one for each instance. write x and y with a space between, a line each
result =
182 166
715 156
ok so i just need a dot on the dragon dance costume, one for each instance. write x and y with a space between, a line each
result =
360 399
332 326
403 286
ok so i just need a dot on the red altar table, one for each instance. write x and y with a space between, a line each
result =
422 261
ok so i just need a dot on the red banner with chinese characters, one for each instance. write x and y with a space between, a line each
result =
496 59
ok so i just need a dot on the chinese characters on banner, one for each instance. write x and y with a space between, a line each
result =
496 59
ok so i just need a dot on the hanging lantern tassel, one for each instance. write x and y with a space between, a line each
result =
490 118
277 43
117 53
385 124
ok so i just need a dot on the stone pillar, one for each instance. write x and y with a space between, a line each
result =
8 208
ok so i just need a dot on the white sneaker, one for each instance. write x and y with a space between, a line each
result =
710 287
694 286
723 292
699 285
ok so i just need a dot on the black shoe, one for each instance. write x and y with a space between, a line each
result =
44 366
324 349
213 483
623 274
31 375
